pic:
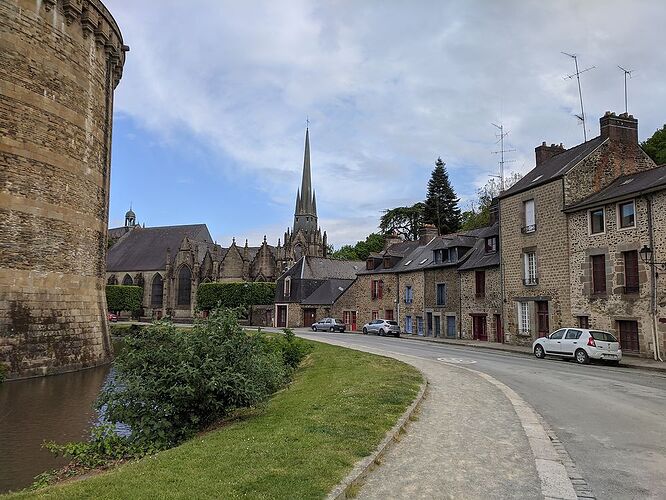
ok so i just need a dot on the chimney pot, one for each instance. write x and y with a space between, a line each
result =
544 152
621 128
426 233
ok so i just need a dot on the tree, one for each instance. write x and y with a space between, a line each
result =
479 213
655 146
373 243
441 204
404 221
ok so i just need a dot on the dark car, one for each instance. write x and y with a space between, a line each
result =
330 324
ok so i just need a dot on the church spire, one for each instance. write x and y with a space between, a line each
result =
306 202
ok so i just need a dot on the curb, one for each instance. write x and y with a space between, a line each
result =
362 468
525 353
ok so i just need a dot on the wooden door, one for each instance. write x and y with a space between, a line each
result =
499 330
438 326
628 331
451 327
543 326
479 328
281 317
349 317
309 317
428 324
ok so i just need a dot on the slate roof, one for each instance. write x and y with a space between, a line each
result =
117 232
144 249
554 167
624 187
328 292
477 257
321 267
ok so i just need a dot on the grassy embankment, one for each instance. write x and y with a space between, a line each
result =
300 445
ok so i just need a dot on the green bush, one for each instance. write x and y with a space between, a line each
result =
124 298
170 384
213 295
292 350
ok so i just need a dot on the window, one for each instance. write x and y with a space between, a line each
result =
375 315
388 314
480 277
441 294
530 264
557 335
598 274
441 255
376 289
584 322
127 280
409 298
631 271
573 334
184 296
387 262
157 291
524 317
370 264
597 221
626 213
408 324
287 286
529 217
491 244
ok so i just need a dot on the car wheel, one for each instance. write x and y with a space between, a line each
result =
381 333
314 328
332 329
581 357
539 352
365 331
397 335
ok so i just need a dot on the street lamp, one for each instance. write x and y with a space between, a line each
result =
647 256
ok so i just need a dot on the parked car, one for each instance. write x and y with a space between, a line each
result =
382 327
330 324
580 344
113 317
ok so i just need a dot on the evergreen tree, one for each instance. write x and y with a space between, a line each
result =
441 204
655 146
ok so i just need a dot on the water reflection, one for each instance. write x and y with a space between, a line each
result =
57 408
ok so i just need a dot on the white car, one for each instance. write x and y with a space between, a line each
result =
580 344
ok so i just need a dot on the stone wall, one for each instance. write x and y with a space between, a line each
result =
357 298
551 245
450 277
489 305
59 65
416 309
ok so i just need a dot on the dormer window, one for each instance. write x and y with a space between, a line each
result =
370 264
287 286
387 262
441 255
491 244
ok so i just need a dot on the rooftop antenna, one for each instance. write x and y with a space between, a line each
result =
501 152
626 72
577 74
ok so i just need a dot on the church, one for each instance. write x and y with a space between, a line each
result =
169 262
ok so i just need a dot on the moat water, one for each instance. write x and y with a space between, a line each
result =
57 408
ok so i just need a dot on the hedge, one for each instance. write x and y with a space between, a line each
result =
212 295
124 298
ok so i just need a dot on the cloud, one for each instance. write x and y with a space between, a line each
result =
388 88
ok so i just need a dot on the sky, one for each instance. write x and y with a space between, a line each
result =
210 115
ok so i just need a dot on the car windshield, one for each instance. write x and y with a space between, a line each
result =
603 336
392 323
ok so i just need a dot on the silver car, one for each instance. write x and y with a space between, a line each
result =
330 324
580 344
382 327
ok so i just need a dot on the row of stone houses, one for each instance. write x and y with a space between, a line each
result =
576 242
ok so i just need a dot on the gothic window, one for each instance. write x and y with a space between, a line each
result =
184 297
112 280
298 251
287 286
157 291
127 280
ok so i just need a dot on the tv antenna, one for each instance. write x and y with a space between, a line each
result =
501 152
577 74
626 72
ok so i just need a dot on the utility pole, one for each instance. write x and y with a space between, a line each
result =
580 92
501 152
626 72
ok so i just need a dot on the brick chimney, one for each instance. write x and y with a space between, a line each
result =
544 152
621 128
392 239
426 233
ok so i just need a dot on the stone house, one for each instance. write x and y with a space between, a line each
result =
307 290
612 287
535 229
480 290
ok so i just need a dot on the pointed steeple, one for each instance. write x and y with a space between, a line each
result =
306 182
314 204
298 202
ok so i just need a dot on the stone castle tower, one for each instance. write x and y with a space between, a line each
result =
60 63
306 237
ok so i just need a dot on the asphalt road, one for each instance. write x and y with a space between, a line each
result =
611 420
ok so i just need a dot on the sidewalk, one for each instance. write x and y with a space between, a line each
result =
627 361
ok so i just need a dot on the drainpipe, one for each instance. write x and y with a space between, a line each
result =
397 298
459 305
653 284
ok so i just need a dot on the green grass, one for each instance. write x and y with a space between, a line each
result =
299 445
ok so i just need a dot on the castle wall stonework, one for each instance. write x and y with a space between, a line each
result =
59 65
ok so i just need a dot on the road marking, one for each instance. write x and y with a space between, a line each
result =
457 361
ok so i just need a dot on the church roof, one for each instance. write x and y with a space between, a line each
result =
144 249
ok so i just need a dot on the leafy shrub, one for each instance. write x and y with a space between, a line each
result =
124 298
212 295
170 384
292 349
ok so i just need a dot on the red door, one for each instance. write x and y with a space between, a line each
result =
499 330
349 317
281 316
543 326
479 331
